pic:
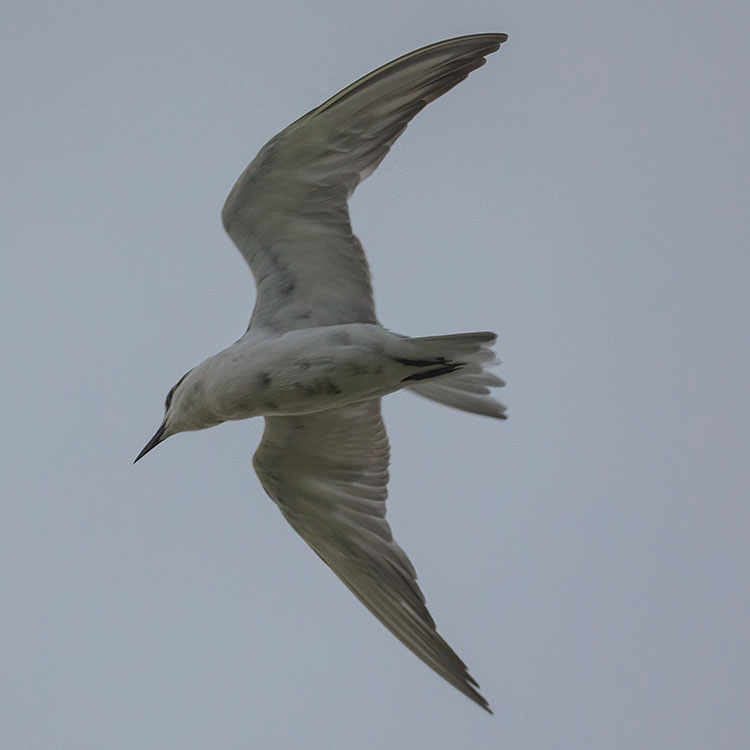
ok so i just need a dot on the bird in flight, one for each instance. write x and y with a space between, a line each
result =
315 362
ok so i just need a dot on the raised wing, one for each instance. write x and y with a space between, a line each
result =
288 211
328 473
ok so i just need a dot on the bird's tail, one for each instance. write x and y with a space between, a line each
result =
451 370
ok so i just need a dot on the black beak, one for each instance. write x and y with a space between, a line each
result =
155 440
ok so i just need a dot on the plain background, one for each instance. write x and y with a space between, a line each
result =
585 194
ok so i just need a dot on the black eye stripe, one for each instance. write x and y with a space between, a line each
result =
169 397
174 388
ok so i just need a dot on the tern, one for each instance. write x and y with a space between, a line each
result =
315 362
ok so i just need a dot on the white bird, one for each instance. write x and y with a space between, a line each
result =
315 361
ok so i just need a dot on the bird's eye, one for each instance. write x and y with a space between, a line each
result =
174 388
169 397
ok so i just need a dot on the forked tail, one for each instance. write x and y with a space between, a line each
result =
451 370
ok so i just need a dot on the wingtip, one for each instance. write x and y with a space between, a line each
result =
486 43
495 38
477 697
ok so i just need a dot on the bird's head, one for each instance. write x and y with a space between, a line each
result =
183 410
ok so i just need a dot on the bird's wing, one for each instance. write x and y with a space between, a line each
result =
328 473
288 211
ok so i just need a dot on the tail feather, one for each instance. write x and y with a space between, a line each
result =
458 399
452 371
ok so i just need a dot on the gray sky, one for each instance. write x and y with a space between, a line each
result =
584 194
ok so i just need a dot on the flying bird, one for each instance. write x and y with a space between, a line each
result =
315 362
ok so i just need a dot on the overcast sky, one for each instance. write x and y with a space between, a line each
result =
585 194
